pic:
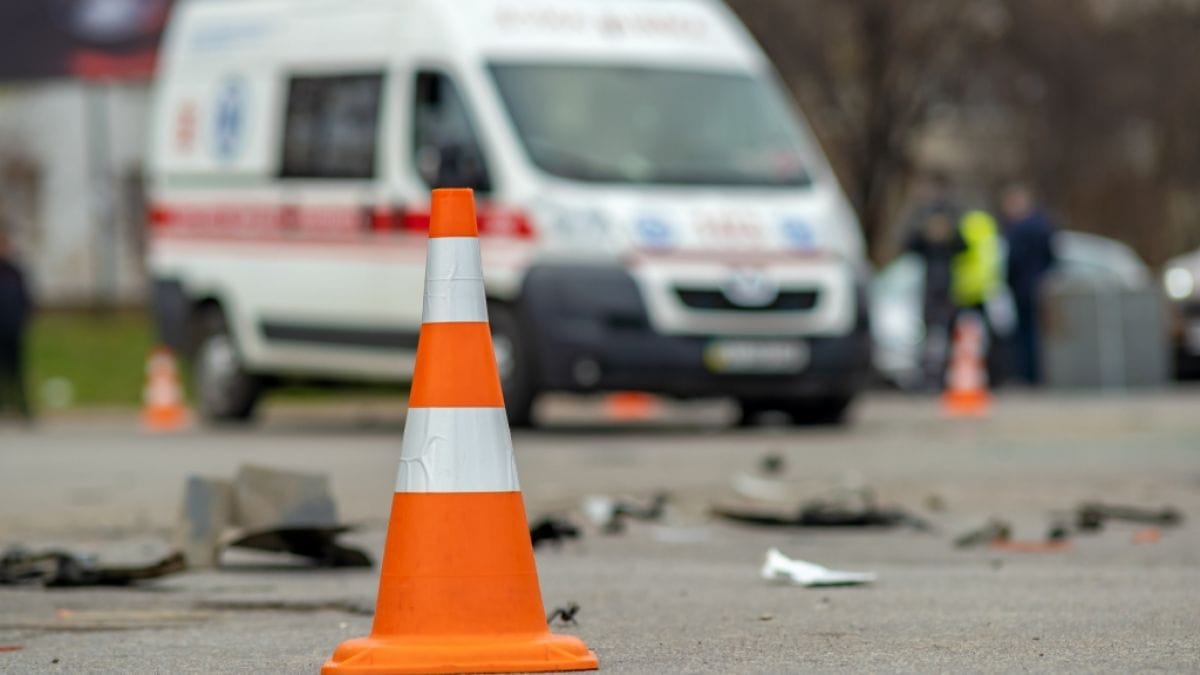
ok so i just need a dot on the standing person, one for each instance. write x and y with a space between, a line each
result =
934 235
977 277
1030 235
15 308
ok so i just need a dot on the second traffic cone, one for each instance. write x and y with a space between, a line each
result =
966 391
458 589
163 408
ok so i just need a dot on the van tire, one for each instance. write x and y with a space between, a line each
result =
224 392
819 411
514 363
751 409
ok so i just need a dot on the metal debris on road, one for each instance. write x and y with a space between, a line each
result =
552 530
610 513
765 498
317 544
1091 516
564 615
779 567
264 509
992 531
996 534
58 568
818 513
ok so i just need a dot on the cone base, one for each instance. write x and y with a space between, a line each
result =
160 421
473 654
966 404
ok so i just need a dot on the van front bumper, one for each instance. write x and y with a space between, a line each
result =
589 331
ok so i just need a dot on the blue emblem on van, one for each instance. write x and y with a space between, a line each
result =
799 233
229 123
654 232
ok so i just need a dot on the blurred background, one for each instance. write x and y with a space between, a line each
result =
1090 101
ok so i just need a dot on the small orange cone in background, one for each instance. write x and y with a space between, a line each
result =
458 589
163 408
630 405
966 391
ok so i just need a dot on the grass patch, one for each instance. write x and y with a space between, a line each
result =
100 356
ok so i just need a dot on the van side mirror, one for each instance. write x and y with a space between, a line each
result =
453 165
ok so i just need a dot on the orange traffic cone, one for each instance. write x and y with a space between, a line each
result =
966 391
163 408
458 591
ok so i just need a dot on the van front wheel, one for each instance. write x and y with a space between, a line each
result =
224 391
514 365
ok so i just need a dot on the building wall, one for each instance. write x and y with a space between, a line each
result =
70 187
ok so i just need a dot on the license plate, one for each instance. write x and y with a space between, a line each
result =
756 356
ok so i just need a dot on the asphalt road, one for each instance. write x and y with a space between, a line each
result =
679 595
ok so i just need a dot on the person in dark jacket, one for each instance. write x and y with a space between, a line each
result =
15 308
933 234
1030 236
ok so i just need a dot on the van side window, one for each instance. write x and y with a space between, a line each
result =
446 150
331 124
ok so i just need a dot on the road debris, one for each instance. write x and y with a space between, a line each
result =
564 615
317 544
58 568
1058 531
818 513
779 567
1091 516
11 648
267 510
996 534
610 513
992 531
764 498
552 530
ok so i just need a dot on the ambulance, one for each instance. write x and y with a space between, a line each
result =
654 214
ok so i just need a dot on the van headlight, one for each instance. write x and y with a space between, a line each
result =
1179 283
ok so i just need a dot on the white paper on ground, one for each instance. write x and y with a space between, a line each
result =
599 509
779 567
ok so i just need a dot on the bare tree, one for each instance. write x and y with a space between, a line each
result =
868 73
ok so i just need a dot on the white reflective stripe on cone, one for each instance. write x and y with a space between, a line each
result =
453 281
457 450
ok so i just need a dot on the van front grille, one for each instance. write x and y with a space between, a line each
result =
715 300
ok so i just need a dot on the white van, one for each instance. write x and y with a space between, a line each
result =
654 215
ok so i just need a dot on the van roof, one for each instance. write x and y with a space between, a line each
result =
701 33
685 31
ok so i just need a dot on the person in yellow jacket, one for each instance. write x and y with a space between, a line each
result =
975 276
975 270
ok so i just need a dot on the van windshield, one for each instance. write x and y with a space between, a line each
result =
619 124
